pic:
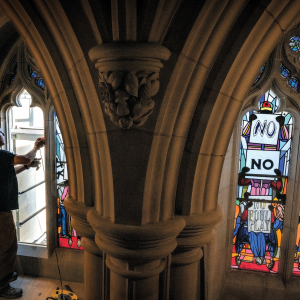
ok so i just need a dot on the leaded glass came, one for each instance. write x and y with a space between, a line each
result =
265 150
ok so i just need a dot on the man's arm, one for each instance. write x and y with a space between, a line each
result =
34 164
30 156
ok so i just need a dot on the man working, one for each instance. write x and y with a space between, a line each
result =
9 202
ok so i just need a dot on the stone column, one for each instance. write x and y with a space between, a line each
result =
184 277
136 255
93 256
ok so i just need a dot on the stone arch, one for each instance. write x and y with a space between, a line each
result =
83 130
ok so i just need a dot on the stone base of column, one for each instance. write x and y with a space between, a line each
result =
135 255
93 270
184 275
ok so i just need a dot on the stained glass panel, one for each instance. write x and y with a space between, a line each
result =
38 80
293 83
294 43
259 74
67 236
14 76
264 157
285 72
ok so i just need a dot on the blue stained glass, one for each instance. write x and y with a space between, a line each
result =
285 72
287 119
38 80
293 83
13 79
33 73
259 74
294 43
14 76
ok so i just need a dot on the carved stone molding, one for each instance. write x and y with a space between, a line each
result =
79 212
199 228
128 79
135 243
184 272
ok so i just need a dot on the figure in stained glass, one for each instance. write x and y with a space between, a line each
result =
264 159
68 237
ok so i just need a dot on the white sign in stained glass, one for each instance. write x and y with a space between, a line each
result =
259 218
264 130
262 162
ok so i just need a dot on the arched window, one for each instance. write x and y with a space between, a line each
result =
264 162
26 125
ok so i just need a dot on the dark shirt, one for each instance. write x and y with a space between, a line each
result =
8 182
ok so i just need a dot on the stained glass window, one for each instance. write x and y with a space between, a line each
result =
67 236
293 83
265 150
259 74
38 80
13 77
285 72
294 43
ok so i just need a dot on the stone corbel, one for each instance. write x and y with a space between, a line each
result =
128 79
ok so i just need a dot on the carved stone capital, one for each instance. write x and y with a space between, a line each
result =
135 243
79 211
199 229
128 79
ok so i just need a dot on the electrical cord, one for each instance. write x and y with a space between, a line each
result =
51 298
58 270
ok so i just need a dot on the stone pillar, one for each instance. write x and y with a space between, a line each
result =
93 269
136 255
184 274
93 256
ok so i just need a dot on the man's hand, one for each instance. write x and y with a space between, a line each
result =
39 143
252 117
280 120
35 163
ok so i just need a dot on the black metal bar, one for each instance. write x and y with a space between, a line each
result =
259 200
32 187
39 238
30 217
258 175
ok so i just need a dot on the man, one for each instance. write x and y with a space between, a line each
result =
9 202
